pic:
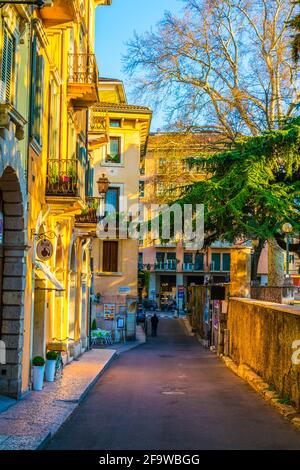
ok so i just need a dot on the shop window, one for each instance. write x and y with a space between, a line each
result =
7 67
110 256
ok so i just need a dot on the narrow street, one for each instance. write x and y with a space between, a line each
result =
172 394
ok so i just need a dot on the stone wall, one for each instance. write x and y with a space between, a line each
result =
261 336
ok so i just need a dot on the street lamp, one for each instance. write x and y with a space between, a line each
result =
287 228
103 185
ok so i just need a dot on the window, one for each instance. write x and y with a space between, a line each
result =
115 123
112 201
199 262
216 262
114 155
142 188
53 122
110 257
37 94
226 262
7 68
188 258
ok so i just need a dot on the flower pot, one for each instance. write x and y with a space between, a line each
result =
38 377
50 370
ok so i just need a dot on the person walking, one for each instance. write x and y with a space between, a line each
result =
154 324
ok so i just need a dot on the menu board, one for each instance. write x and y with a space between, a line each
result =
109 311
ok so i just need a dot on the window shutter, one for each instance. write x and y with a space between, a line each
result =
110 257
7 67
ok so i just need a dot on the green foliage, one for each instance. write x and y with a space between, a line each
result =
38 361
51 355
94 325
251 190
295 25
286 400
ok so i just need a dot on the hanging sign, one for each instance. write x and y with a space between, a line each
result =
1 228
44 250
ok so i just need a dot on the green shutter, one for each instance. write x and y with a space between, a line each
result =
226 262
215 262
7 67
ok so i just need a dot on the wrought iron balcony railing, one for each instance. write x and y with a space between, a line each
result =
87 217
83 80
62 177
168 266
82 69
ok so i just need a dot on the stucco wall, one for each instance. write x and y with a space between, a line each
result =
261 336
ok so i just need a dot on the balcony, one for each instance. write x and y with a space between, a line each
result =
60 12
98 128
82 80
165 266
192 267
65 181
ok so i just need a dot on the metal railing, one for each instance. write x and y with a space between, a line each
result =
98 123
62 177
82 68
89 217
166 266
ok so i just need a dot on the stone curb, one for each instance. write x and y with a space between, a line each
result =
259 385
82 397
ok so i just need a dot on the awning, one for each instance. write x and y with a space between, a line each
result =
43 268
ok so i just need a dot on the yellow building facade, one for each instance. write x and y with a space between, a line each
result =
115 259
46 300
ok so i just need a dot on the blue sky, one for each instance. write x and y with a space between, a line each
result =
115 25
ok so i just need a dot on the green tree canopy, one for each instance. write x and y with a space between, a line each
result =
252 189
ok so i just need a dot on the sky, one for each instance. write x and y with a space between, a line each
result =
115 25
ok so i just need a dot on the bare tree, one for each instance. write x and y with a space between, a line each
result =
223 65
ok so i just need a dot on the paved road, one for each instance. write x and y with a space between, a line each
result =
171 394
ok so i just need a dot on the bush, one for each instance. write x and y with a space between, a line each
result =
94 325
51 355
38 361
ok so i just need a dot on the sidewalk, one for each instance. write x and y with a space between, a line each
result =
31 422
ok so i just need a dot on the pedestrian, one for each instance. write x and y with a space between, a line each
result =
154 324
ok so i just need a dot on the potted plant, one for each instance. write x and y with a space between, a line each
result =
51 358
38 372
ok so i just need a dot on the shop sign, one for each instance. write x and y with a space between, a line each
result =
44 250
124 290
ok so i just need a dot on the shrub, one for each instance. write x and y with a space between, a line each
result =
51 355
94 324
38 361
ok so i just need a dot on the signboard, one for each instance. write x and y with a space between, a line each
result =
124 290
180 290
120 323
1 228
44 250
109 311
